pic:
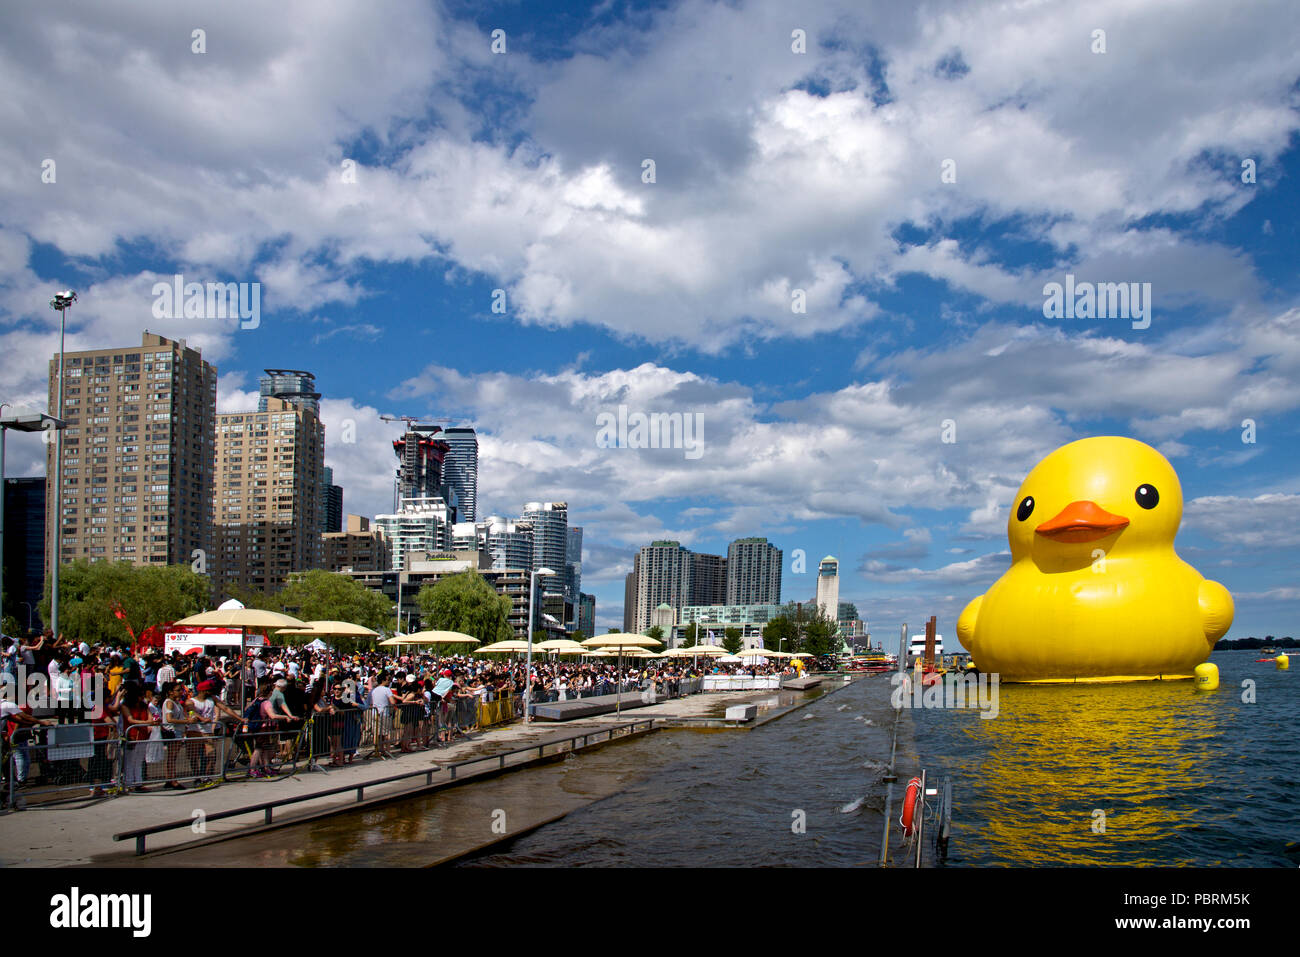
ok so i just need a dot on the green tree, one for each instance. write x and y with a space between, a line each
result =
611 631
320 595
780 634
733 640
252 597
146 595
690 637
821 635
468 604
655 632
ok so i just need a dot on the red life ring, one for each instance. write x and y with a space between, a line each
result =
909 804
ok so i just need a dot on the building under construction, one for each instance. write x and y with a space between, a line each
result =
420 457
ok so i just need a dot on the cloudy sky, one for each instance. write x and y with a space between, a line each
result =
853 212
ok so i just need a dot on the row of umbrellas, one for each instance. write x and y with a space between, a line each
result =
232 614
635 646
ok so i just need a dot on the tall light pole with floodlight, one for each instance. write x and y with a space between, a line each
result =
528 667
61 302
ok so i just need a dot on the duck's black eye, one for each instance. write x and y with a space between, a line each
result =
1147 496
1026 508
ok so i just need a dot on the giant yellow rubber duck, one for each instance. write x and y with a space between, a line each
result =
1096 591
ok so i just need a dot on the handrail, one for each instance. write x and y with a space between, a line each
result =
268 806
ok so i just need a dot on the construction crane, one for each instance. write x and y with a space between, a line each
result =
410 420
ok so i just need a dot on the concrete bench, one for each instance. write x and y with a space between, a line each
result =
588 707
802 684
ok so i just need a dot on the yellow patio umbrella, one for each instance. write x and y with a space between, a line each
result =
563 646
330 628
439 638
763 653
620 640
502 647
710 651
436 638
232 614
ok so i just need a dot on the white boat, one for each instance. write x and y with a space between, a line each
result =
916 647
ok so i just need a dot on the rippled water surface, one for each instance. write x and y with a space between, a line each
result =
1137 774
1177 776
1147 773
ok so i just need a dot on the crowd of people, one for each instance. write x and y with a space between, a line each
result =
165 706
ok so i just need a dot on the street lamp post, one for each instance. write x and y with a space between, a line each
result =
528 665
30 422
61 302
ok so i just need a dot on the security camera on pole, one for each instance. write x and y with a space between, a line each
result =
528 666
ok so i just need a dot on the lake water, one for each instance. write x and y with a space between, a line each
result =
1139 774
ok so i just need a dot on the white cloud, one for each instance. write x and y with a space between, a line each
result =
761 189
1263 522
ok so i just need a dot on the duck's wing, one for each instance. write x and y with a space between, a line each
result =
1216 610
966 623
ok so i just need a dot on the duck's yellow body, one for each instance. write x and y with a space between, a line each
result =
1095 591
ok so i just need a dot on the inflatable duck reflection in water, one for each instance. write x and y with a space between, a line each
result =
1096 591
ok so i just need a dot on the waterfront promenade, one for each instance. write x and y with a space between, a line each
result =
81 832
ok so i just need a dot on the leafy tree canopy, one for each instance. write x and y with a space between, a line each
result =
146 594
468 604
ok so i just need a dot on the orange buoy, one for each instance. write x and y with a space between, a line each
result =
909 804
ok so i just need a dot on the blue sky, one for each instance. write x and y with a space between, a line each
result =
775 171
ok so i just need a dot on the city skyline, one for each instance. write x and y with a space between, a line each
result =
840 275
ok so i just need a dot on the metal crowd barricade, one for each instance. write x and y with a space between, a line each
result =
466 714
336 736
411 726
62 758
273 750
191 756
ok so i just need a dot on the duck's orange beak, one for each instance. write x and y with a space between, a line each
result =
1081 522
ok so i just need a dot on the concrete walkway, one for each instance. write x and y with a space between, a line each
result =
80 833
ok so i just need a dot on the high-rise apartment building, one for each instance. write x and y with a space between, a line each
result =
629 598
753 572
138 454
422 525
573 564
587 615
269 471
663 578
509 543
460 470
357 548
708 579
550 521
292 385
24 550
331 507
